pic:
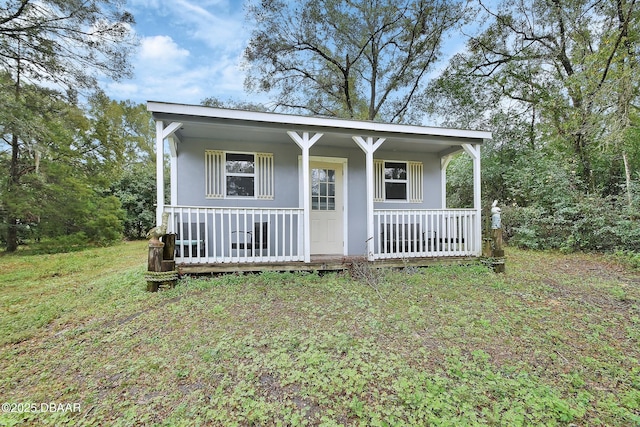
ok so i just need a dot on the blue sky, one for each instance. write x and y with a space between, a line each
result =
189 50
192 49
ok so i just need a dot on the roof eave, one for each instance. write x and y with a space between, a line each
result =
289 119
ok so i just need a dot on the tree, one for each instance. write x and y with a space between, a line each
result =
136 191
129 127
356 59
557 82
60 191
61 43
570 66
125 125
66 42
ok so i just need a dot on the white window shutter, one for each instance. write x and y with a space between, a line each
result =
265 187
415 182
214 174
378 180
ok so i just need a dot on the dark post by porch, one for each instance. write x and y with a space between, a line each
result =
161 266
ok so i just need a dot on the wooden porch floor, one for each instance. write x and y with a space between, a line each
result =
319 263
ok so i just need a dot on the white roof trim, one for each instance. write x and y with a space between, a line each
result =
289 119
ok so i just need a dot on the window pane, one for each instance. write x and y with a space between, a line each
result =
318 175
323 189
240 163
395 170
331 204
396 190
240 186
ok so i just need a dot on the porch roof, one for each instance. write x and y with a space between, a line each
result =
198 123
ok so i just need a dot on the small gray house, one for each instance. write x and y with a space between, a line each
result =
262 190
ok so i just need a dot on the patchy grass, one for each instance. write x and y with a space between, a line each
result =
555 341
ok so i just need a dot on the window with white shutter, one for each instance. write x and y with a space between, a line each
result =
231 174
378 180
415 182
264 169
214 174
398 181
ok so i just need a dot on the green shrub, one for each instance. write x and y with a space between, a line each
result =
630 258
590 223
104 225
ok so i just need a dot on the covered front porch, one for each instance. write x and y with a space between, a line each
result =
236 236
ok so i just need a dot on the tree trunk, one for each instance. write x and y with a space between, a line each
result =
585 163
627 175
12 235
14 178
14 175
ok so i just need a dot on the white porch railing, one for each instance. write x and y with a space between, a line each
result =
254 235
236 235
424 233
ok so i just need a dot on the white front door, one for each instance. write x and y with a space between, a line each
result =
327 213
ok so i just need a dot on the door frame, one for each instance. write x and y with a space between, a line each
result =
345 205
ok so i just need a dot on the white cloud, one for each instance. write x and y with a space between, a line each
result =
160 50
217 24
188 51
218 29
165 71
156 47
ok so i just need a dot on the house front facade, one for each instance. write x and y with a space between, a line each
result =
255 188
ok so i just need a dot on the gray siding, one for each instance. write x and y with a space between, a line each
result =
191 174
191 180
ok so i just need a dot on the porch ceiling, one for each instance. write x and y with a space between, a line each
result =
201 131
338 133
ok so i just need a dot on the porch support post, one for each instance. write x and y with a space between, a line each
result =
159 171
369 146
161 134
444 163
305 143
173 152
474 152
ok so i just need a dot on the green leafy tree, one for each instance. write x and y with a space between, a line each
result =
568 68
356 59
70 206
136 192
124 125
557 82
129 127
61 176
63 44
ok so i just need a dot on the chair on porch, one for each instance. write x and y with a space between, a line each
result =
251 240
183 243
408 238
442 243
450 242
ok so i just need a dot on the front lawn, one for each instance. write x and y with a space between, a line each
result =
554 341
